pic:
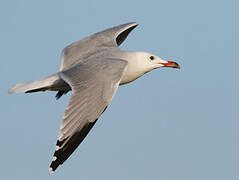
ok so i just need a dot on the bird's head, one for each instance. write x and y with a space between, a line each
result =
150 61
140 63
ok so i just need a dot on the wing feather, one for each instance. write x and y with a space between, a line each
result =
78 51
91 84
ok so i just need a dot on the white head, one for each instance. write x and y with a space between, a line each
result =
149 61
140 63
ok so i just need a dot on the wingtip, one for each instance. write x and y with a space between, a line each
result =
133 23
10 91
15 89
51 171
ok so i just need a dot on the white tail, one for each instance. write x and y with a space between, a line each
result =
33 86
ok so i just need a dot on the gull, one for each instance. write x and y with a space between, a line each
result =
92 68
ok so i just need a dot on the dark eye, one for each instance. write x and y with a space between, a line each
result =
151 57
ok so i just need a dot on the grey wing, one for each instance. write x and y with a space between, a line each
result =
93 84
83 49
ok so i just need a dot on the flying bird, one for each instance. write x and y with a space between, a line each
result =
92 68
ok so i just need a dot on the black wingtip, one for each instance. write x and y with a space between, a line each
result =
53 166
51 171
56 161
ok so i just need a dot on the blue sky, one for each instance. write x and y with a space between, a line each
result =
169 124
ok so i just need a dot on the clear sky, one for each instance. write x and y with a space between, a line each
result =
169 124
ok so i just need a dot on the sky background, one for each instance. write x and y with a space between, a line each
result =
169 124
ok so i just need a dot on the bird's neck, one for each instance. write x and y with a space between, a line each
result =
134 69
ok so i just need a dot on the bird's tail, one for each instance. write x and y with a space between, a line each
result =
48 83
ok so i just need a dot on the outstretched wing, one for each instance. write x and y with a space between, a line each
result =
93 85
83 49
